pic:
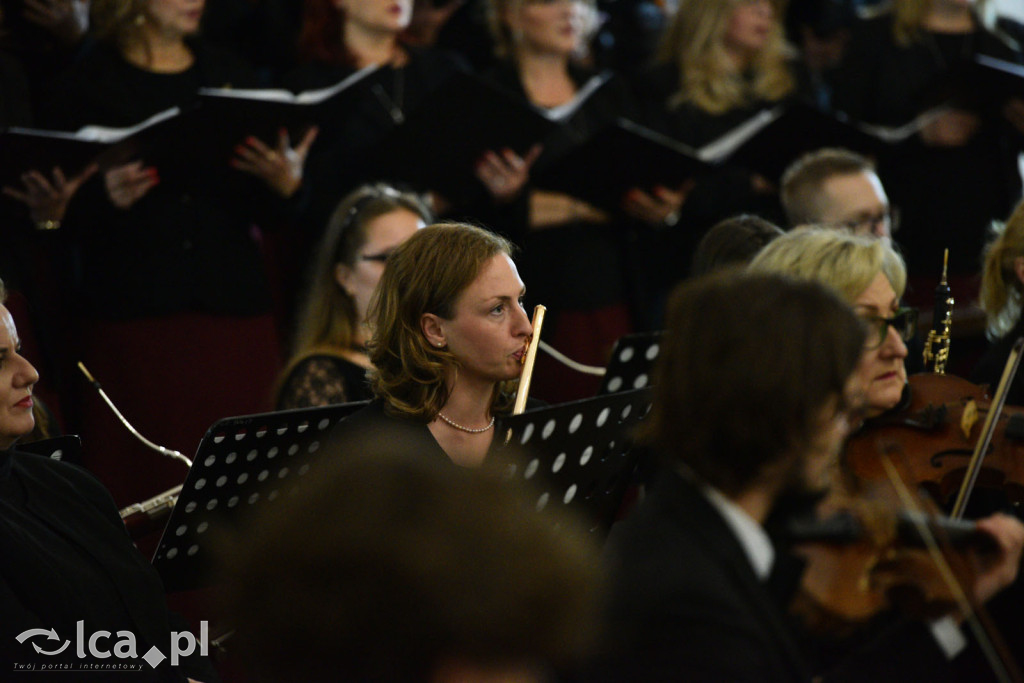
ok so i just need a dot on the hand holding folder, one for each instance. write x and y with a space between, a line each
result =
188 145
443 141
47 197
619 158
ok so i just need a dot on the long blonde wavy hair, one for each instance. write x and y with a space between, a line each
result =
1001 289
426 274
695 43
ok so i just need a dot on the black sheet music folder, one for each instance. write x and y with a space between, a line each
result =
242 463
631 362
580 454
619 157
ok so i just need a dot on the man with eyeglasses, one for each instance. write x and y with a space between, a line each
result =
834 187
837 188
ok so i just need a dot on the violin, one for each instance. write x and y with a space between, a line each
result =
937 430
871 552
933 435
934 441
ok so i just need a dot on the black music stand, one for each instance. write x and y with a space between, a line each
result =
242 464
580 454
66 448
631 361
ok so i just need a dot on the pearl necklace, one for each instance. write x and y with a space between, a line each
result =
465 429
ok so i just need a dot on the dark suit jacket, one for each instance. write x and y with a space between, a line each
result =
686 605
66 556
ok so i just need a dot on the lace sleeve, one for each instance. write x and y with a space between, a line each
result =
315 381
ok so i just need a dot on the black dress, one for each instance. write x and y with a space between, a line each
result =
726 192
171 295
374 429
947 195
348 152
989 368
182 246
323 379
579 269
65 557
15 238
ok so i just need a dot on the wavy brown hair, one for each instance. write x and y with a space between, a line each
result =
426 274
749 362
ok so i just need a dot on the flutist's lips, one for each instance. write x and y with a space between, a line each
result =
520 355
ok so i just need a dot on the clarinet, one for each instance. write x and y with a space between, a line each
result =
936 347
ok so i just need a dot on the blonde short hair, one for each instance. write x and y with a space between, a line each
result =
846 262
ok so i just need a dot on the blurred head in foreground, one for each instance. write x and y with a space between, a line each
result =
388 568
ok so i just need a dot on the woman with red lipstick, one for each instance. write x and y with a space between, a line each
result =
449 334
167 278
64 555
870 276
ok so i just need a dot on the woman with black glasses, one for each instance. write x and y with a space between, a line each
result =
871 277
329 361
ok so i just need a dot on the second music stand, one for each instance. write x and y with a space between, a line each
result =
631 361
580 453
242 464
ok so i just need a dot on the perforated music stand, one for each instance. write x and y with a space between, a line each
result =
580 454
242 465
631 361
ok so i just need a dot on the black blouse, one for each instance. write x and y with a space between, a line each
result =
321 380
65 557
947 195
188 244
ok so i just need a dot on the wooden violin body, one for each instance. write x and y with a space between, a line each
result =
928 444
934 437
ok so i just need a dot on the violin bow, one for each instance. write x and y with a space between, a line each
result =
982 445
990 641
